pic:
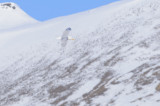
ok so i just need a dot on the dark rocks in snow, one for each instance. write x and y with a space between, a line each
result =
14 7
9 5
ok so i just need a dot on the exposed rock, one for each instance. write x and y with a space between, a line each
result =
158 87
10 5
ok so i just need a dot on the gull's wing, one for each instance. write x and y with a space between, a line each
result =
66 32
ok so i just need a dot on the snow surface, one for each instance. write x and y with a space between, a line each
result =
12 17
113 61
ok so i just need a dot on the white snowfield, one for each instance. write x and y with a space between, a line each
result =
113 61
12 17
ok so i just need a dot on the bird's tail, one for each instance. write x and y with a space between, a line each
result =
70 38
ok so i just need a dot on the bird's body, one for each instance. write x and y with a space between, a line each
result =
64 38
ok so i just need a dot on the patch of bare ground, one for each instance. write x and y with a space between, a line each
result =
10 87
114 82
73 67
111 102
54 103
155 57
91 61
54 92
114 51
99 89
26 89
142 81
158 87
140 69
139 76
69 70
141 98
113 60
67 90
15 96
70 104
157 72
136 73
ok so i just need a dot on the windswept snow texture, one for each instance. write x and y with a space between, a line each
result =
113 61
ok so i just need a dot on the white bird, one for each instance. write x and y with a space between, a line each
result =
64 38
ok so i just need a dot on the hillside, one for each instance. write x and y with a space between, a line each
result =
11 17
113 61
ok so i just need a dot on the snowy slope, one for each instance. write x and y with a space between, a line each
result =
11 16
114 60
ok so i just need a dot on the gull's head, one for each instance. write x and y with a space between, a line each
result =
68 29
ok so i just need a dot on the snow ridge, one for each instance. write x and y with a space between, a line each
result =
8 5
11 16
